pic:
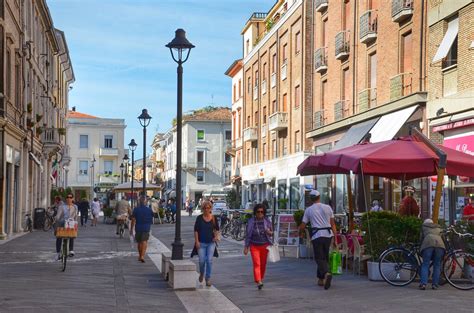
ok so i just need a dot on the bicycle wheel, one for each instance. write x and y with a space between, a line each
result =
458 268
48 222
397 267
226 230
64 253
122 230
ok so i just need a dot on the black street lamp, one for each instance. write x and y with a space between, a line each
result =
179 47
92 177
121 173
144 119
125 161
132 146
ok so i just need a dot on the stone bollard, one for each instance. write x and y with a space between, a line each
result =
182 275
165 263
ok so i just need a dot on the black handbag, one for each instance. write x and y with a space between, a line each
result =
194 252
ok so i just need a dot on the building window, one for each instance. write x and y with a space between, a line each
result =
264 73
297 97
347 15
346 90
9 73
297 42
274 149
324 33
452 56
448 48
240 88
247 46
256 78
283 53
264 115
264 151
256 118
295 197
83 141
297 141
83 168
108 167
248 121
372 70
239 121
227 158
249 84
248 156
406 66
324 94
235 94
285 102
255 154
274 106
200 159
274 63
200 135
228 135
200 176
108 141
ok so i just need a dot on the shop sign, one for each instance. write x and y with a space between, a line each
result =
287 233
463 143
9 154
453 125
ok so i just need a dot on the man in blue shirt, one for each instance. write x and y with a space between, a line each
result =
142 218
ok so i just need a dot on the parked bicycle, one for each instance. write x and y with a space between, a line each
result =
235 226
400 265
50 218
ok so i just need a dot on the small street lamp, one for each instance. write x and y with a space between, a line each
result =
132 146
125 161
144 119
92 177
121 173
179 47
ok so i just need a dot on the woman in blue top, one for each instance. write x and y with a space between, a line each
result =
205 241
259 232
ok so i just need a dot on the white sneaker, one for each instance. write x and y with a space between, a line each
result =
71 253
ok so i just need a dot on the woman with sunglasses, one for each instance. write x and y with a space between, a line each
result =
66 211
257 239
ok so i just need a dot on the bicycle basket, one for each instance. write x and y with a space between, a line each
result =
62 232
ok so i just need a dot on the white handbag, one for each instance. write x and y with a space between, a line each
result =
273 253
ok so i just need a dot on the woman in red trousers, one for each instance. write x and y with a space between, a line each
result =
259 232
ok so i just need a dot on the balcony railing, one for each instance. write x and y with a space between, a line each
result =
400 85
283 71
237 143
367 99
321 5
278 121
318 119
401 10
342 45
273 80
263 130
50 136
264 87
255 92
341 110
108 152
250 134
368 27
320 60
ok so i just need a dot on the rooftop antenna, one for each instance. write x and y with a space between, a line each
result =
212 99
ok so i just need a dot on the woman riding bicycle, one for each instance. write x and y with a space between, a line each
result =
66 211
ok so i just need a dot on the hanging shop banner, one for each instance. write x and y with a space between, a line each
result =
287 231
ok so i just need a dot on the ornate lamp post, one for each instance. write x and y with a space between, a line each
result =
121 172
125 161
132 146
92 177
180 48
144 119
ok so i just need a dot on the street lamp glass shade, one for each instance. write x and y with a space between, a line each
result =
144 118
121 166
125 158
180 45
132 145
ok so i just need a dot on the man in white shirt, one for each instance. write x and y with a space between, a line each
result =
323 228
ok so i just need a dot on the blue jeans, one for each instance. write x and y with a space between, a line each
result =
206 252
435 255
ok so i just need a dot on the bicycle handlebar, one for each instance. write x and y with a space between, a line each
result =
451 229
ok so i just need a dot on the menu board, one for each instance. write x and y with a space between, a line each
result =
287 231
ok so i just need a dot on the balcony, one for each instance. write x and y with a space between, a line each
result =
278 121
368 27
341 110
113 152
401 10
237 143
51 140
66 160
318 119
255 92
273 80
264 87
342 45
367 99
283 71
320 60
250 134
263 131
321 5
400 86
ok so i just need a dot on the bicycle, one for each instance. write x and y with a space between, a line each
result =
66 234
400 265
28 223
121 220
49 219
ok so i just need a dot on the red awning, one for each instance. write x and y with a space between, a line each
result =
400 158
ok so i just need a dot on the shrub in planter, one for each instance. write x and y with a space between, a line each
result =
298 216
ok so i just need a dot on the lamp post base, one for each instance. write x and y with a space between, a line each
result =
177 250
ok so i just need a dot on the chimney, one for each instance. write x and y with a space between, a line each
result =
74 109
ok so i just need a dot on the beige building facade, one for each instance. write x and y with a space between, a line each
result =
36 73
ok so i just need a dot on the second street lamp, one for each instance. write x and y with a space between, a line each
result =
132 145
121 173
144 119
179 47
125 161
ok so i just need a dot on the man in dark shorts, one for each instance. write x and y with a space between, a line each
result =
142 218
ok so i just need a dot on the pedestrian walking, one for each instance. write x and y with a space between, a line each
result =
66 211
205 229
191 207
142 218
257 239
95 209
172 209
323 228
432 249
84 208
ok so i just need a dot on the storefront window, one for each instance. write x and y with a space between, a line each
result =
295 197
282 194
341 193
323 185
376 191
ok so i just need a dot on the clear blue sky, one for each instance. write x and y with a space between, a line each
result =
122 65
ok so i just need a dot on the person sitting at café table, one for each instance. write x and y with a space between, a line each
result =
376 206
468 211
409 206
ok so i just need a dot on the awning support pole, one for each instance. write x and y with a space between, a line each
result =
349 200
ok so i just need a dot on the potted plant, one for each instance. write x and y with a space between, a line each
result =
108 219
282 203
62 131
384 229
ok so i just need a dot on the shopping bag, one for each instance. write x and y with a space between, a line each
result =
335 263
273 253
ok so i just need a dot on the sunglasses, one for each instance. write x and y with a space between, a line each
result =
260 211
69 197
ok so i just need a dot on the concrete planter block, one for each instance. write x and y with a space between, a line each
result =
182 275
165 263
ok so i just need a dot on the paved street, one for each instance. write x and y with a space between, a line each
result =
105 276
